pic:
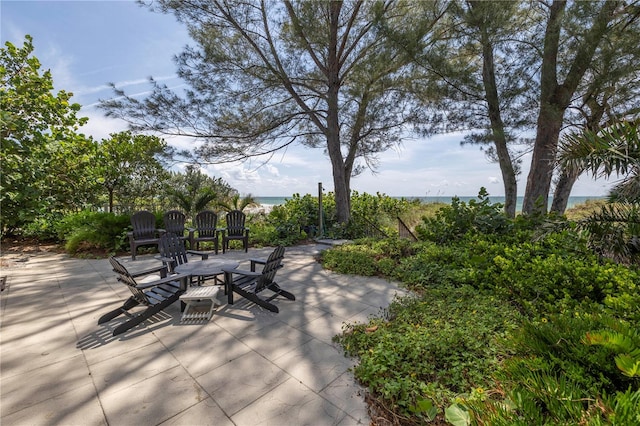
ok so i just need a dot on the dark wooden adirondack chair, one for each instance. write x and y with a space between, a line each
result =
173 252
205 228
174 223
155 295
235 230
144 231
249 284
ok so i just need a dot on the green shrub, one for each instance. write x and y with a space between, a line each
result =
558 377
545 278
430 348
453 222
89 230
265 234
296 214
357 259
367 211
44 227
622 300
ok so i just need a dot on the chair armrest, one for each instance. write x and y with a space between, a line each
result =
203 254
169 279
242 272
255 262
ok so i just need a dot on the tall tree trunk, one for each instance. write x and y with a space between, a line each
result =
542 162
550 118
340 181
110 190
563 190
497 127
555 98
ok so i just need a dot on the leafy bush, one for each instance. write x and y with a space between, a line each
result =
296 214
543 280
358 259
430 348
44 227
369 257
557 376
93 230
368 211
264 233
455 221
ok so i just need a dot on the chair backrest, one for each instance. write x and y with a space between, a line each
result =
174 221
170 246
274 262
206 222
124 276
235 223
143 224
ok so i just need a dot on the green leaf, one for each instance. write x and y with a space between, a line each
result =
425 407
457 415
629 365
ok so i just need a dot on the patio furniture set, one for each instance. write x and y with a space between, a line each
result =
175 278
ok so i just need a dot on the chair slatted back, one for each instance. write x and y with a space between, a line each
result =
174 221
143 224
171 246
206 223
235 223
273 263
124 276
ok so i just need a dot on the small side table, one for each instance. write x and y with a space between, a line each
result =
196 294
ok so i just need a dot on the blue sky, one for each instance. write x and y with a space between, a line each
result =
87 44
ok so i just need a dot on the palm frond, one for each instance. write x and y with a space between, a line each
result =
203 199
614 231
614 149
628 190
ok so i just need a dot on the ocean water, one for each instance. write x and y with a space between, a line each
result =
276 201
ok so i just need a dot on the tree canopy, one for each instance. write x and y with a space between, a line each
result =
42 155
128 165
194 191
265 75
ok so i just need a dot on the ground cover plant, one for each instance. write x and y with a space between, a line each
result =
508 325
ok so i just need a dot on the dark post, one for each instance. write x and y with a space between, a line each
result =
320 230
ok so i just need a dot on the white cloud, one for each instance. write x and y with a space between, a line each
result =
272 170
99 126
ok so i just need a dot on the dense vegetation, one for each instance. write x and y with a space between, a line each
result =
507 325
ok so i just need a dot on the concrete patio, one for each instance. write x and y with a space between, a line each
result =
246 366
